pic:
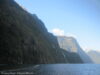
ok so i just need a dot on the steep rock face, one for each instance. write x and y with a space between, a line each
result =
67 43
70 44
95 56
24 38
72 57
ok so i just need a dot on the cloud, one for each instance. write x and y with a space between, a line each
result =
57 31
71 35
60 32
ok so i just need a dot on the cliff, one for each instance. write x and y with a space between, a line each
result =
25 40
71 45
95 56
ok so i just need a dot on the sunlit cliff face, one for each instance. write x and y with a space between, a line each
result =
67 43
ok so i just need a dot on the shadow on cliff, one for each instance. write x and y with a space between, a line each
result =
25 40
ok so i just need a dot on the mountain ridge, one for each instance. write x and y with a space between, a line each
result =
95 56
71 45
24 38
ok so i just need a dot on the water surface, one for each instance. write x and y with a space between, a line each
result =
59 69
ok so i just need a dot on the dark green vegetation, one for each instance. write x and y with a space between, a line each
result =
72 57
25 40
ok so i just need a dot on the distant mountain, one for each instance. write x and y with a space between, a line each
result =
95 56
70 44
25 40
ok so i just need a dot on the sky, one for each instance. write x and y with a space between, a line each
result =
77 18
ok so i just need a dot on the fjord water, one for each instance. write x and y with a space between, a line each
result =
69 69
56 69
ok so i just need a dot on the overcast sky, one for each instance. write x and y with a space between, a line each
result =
77 18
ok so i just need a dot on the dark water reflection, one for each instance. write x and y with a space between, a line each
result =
69 69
